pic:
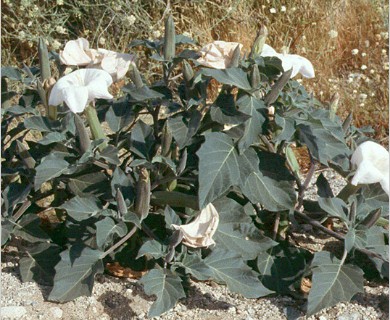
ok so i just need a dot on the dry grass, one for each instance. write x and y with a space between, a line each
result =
307 27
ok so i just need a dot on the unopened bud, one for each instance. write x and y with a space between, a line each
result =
82 134
169 39
236 57
120 201
372 218
166 140
142 200
333 105
258 45
135 76
188 73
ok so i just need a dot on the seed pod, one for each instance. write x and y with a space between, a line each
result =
166 140
347 122
120 201
236 57
135 76
142 200
188 73
44 62
372 218
259 42
82 133
333 105
169 39
27 159
255 76
182 163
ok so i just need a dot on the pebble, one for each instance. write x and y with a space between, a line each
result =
322 318
56 312
13 312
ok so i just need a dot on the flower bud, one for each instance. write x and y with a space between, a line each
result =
44 63
166 140
169 39
142 200
236 57
188 73
372 218
120 201
334 104
135 76
82 133
261 37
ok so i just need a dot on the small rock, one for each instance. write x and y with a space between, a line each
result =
56 312
232 310
352 316
322 318
13 312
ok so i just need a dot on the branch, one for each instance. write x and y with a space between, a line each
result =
119 243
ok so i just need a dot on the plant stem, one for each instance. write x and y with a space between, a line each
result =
94 124
119 243
26 204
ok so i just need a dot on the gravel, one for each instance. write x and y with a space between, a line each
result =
115 298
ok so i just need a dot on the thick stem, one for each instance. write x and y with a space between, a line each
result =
94 124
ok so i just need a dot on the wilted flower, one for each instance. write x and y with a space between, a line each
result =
298 63
272 10
78 53
79 87
218 54
372 161
199 233
354 51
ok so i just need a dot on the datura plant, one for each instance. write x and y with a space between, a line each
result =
186 175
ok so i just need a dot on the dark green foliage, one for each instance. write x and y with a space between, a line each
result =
171 150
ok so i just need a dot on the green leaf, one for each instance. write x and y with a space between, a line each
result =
171 217
231 76
335 207
141 94
332 282
7 228
218 167
323 187
110 154
11 73
39 263
152 248
253 126
119 115
228 267
224 110
354 239
15 193
75 273
89 184
281 267
105 231
29 228
142 140
52 137
51 167
38 123
194 265
165 286
236 231
82 208
286 128
184 129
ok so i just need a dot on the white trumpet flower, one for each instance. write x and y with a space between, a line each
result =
218 54
80 87
372 161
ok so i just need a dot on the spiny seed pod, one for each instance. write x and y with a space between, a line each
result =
166 140
372 218
347 122
142 200
182 163
27 159
82 133
188 73
121 203
169 39
255 76
135 76
259 42
236 57
334 105
44 62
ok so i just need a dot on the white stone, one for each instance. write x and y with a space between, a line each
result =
13 312
56 312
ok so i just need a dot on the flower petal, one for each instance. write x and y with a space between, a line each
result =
268 51
218 54
74 53
76 98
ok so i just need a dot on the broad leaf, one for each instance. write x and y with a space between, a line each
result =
38 123
335 207
253 126
50 168
228 267
29 228
141 94
194 265
332 282
142 140
231 76
184 129
218 167
236 231
52 137
39 263
105 231
171 217
89 184
165 286
152 248
75 273
81 208
119 115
